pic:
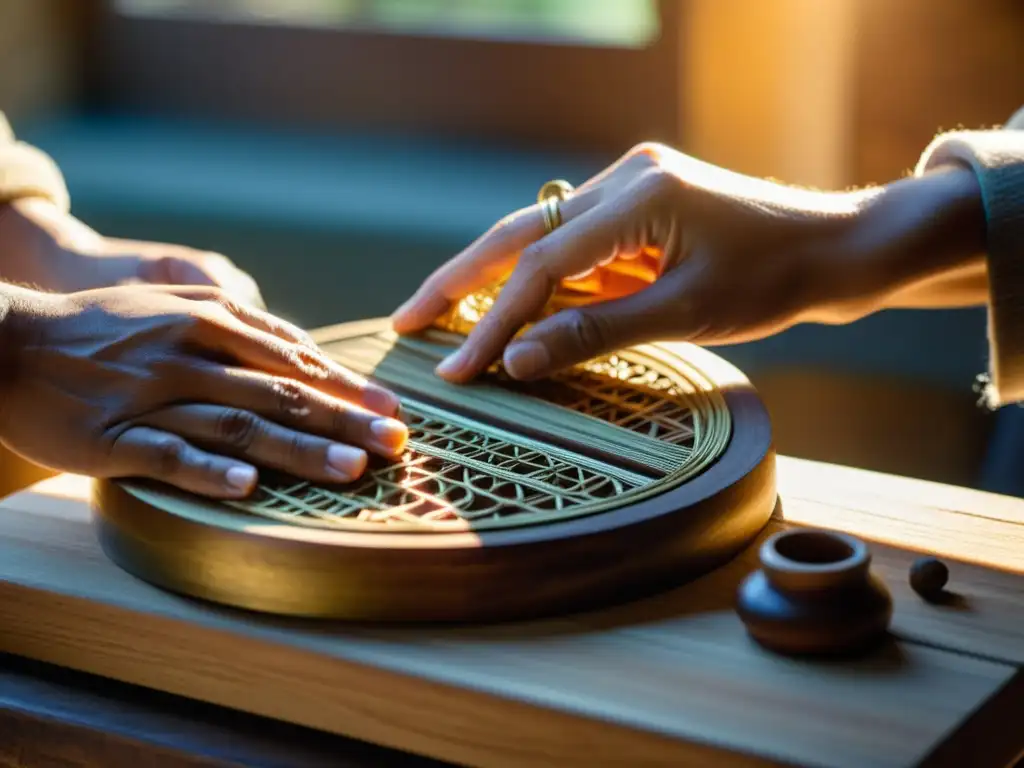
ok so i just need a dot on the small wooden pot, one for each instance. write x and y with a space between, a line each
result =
815 595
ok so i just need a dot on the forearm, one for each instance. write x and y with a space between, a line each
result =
19 247
38 241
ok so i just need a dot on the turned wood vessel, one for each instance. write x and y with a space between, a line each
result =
617 478
815 595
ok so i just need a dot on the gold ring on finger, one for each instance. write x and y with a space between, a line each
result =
550 195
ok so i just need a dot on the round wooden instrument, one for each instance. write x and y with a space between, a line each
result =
619 477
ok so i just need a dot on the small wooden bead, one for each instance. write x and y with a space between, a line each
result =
928 577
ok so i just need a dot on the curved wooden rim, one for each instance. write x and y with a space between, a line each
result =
200 548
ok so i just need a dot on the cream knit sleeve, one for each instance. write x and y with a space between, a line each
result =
997 157
27 172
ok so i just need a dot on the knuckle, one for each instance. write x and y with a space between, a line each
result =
534 266
229 304
648 153
292 334
292 400
653 184
587 331
209 315
238 428
222 301
346 424
534 255
302 356
190 323
309 362
171 454
207 293
297 449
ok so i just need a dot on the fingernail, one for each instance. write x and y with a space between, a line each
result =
452 364
241 478
390 435
345 462
381 401
526 359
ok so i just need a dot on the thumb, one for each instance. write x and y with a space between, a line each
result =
576 335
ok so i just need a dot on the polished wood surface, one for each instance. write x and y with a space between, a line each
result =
671 680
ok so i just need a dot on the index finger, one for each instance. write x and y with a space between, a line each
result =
522 299
486 261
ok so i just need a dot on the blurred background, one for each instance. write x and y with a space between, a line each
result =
339 150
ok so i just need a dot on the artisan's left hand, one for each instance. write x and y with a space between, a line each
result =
57 252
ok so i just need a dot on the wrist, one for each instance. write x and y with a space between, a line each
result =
24 252
41 245
911 232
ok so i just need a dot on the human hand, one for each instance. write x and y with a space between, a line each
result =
668 247
186 386
57 252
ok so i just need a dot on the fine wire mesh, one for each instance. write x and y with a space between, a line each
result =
460 474
623 392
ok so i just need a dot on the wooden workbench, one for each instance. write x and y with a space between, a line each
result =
671 680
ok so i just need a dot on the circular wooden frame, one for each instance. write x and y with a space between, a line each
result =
208 550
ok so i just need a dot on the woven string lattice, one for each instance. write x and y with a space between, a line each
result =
461 474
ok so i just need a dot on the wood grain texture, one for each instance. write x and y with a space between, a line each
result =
973 526
979 535
53 717
668 680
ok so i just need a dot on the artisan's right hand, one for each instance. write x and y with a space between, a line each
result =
667 247
180 385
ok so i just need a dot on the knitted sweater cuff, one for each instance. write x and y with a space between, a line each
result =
27 172
997 158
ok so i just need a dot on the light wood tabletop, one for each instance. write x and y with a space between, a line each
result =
668 680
